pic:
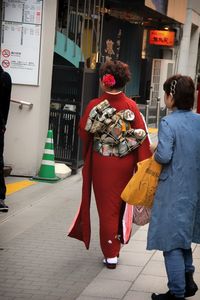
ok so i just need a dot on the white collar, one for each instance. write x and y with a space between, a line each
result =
114 93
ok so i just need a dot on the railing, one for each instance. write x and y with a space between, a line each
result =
157 117
72 89
158 112
154 114
147 111
22 103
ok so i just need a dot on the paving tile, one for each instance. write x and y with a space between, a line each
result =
8 298
144 228
42 297
140 235
13 295
134 259
127 273
11 289
197 280
150 284
158 255
136 246
193 246
82 297
196 253
107 288
74 291
197 264
197 296
155 268
133 295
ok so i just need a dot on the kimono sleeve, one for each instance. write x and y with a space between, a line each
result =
85 136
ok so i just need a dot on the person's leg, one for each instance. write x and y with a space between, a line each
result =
191 287
187 254
3 207
2 184
175 267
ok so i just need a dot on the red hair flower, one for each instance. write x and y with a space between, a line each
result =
109 80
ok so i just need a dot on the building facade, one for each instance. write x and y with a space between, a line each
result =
27 128
188 62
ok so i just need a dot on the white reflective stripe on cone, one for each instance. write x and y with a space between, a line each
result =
48 151
48 162
49 140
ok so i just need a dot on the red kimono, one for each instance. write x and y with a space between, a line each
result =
109 175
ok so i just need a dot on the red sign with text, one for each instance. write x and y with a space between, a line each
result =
162 38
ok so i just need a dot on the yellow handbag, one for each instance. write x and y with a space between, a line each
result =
141 188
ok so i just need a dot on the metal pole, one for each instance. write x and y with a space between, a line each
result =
68 23
56 24
158 112
88 28
147 112
98 31
93 13
76 27
82 30
101 31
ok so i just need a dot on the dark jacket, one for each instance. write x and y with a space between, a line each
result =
5 93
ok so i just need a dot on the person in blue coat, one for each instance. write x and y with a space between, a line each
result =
175 218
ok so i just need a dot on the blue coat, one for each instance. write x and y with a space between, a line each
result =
175 219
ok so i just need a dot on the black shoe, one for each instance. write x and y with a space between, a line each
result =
109 265
166 296
191 287
3 207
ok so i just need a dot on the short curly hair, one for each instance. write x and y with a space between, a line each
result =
182 89
119 70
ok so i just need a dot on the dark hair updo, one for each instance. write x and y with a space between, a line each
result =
119 70
182 90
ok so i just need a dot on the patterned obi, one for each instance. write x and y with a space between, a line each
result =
112 130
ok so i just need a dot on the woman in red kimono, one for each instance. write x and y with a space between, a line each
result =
114 140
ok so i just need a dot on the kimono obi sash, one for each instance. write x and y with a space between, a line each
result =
112 130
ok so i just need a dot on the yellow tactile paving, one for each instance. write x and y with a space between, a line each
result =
153 130
16 186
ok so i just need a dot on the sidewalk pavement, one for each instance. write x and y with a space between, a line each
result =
138 274
39 262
